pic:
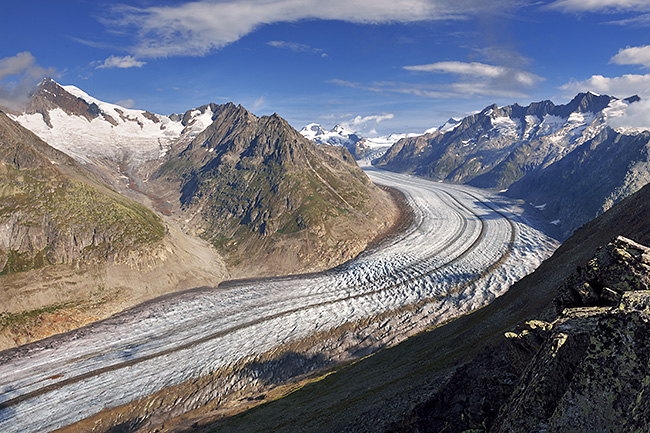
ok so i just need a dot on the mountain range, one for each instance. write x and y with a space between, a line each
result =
359 146
564 159
103 207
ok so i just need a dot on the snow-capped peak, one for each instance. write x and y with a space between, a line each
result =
69 119
342 130
312 130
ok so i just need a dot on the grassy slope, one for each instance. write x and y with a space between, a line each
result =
42 188
369 394
60 228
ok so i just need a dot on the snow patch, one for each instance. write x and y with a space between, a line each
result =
505 126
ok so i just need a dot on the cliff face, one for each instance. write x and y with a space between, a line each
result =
52 212
584 371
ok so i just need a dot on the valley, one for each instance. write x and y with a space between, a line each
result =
465 247
254 216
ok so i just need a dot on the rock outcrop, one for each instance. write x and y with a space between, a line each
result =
584 371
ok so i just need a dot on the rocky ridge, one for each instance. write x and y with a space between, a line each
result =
583 371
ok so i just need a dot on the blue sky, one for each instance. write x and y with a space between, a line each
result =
377 66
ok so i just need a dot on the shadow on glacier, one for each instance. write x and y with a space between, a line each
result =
531 216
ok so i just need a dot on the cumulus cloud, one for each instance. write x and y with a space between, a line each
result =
633 56
297 48
635 115
621 87
121 62
482 79
362 120
197 28
362 124
18 76
600 5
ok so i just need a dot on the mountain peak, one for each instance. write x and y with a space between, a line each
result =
50 95
588 102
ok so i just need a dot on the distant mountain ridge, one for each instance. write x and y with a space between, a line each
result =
527 149
356 144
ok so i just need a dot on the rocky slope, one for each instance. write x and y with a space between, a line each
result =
584 371
255 188
73 250
589 180
562 158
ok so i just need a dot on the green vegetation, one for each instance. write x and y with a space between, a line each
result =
26 318
49 207
22 262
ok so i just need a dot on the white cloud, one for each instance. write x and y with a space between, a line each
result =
197 28
621 87
517 77
636 115
121 62
18 76
633 56
297 48
641 20
396 87
359 120
482 79
259 102
600 5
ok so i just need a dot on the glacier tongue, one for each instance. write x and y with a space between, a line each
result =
465 247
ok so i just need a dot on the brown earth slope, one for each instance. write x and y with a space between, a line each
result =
271 201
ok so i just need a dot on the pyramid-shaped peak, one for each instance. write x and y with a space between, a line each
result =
589 102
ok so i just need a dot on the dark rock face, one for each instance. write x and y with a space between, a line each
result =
49 95
584 371
621 266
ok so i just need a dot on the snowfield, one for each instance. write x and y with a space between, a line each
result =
464 248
